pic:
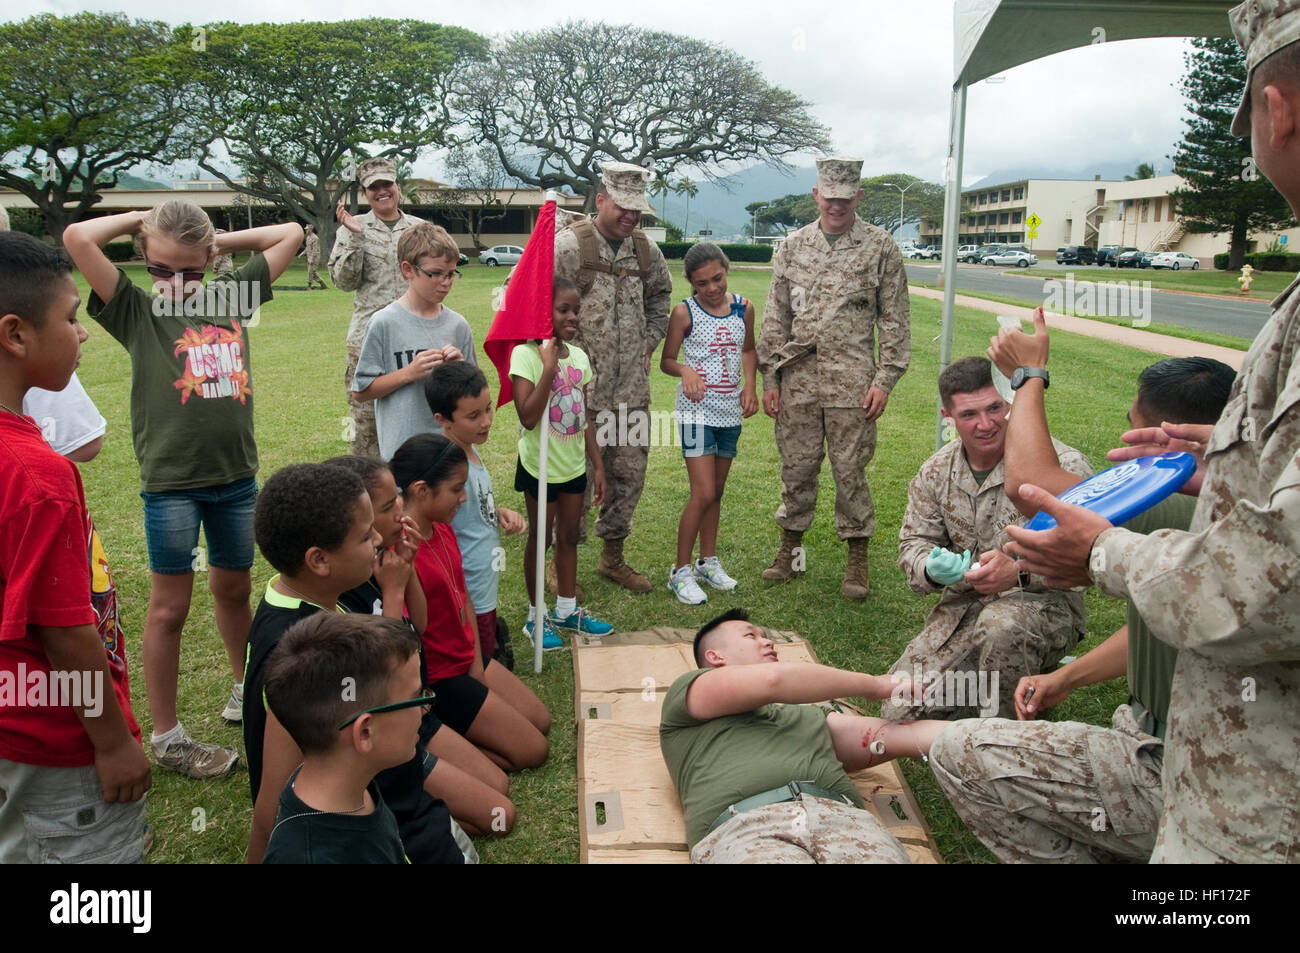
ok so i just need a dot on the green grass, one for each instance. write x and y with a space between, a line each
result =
297 363
1171 330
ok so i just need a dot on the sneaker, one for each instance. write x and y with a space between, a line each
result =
505 652
711 571
681 582
582 621
234 710
196 759
550 638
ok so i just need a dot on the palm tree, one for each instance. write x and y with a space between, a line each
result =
688 188
1145 170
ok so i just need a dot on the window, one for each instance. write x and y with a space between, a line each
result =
984 198
1006 195
1016 217
1146 209
1159 205
1020 192
981 221
1004 219
970 222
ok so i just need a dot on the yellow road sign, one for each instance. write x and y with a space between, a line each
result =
1032 233
1033 221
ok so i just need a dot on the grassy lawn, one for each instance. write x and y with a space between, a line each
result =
1266 285
1190 334
297 376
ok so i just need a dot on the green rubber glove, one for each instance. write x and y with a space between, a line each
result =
947 568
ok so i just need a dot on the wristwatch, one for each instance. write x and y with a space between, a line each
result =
1022 374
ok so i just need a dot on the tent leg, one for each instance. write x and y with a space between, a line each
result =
951 230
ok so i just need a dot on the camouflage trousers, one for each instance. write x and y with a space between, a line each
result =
803 426
1062 792
624 481
360 429
962 646
808 830
314 279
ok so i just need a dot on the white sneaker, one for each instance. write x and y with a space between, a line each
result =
711 571
683 585
234 710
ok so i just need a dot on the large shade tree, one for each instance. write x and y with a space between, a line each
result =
286 111
1225 191
83 102
557 103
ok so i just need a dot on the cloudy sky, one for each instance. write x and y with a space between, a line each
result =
877 72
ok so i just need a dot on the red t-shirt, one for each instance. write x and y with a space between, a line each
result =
52 573
450 640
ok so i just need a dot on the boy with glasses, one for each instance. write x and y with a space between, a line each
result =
405 341
332 811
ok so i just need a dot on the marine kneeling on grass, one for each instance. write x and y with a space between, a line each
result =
760 770
991 623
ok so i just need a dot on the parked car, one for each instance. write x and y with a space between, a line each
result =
1076 255
979 254
1146 259
967 253
462 259
1011 256
1129 258
927 251
501 255
1106 255
1175 260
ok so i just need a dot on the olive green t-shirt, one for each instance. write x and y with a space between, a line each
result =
1150 661
191 377
718 762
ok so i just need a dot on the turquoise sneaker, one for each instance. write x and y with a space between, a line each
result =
550 638
582 621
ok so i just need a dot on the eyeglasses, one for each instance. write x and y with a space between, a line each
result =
439 275
424 700
166 274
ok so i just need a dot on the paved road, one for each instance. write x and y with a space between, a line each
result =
1240 318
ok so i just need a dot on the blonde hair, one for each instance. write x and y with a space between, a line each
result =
423 239
183 222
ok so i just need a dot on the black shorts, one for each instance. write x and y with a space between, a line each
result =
459 699
525 482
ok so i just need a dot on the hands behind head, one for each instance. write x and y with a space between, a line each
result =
1012 348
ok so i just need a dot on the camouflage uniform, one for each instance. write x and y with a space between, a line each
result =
1054 792
621 317
1226 594
367 264
824 309
808 830
1015 633
222 265
312 252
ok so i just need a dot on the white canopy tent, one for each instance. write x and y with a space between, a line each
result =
990 36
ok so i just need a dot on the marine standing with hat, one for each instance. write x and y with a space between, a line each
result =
626 296
311 249
837 285
1226 593
364 260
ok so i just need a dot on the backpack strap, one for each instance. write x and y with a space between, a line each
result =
591 264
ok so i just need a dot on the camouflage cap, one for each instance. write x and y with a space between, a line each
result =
626 184
376 170
839 177
1262 27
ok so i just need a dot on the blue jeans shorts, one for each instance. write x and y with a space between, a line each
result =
701 440
171 527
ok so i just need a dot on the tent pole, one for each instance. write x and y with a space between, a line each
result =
951 230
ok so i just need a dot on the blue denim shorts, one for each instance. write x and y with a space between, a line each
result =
701 440
171 527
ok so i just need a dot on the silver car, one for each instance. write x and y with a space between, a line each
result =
1021 259
501 255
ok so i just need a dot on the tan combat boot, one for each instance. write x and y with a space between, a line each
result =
611 566
857 583
553 583
781 569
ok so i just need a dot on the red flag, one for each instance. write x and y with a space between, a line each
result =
526 307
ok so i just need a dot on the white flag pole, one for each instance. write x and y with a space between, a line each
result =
539 574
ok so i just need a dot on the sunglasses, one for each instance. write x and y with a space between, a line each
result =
166 274
424 700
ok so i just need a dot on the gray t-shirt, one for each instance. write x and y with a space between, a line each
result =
479 536
393 338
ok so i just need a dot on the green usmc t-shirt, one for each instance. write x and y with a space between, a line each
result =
191 377
718 762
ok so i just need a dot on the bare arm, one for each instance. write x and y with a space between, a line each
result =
1106 661
85 241
280 755
749 363
120 762
738 688
277 243
87 451
531 399
679 323
855 736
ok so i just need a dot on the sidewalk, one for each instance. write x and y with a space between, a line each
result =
1163 344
